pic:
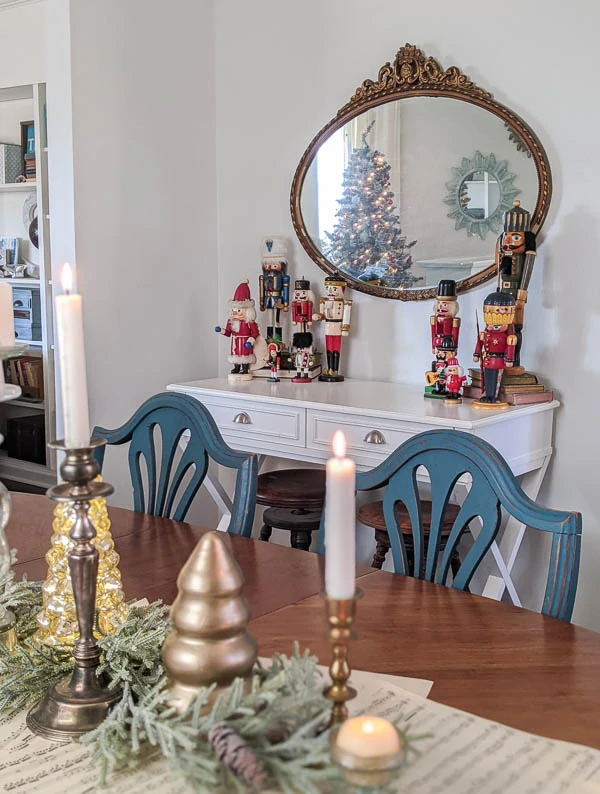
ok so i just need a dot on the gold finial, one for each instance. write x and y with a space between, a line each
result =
210 642
516 203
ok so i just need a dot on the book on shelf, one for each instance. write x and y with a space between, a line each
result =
512 398
510 388
28 373
527 378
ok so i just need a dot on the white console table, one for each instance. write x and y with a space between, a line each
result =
297 421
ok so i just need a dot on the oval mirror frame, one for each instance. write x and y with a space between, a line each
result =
414 74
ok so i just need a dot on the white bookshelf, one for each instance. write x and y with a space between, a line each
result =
31 101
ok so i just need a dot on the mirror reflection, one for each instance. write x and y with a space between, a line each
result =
413 191
479 195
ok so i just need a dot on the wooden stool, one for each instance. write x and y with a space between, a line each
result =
295 499
371 514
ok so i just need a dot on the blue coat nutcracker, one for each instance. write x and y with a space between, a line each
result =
274 285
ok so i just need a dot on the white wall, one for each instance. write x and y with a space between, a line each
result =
283 69
22 44
143 105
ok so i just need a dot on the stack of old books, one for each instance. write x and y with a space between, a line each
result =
518 387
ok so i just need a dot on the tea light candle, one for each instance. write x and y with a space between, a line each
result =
340 522
7 317
368 737
71 356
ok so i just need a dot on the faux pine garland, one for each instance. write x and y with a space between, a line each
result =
274 736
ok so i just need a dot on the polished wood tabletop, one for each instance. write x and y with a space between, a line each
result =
492 659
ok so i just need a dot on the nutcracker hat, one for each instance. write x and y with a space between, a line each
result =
517 219
302 283
446 290
336 281
452 362
447 344
498 300
241 297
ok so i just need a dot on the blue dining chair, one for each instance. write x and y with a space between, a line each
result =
175 414
447 455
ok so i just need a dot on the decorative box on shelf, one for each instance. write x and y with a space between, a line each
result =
10 163
27 312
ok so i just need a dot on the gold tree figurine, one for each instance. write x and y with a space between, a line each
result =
210 643
58 621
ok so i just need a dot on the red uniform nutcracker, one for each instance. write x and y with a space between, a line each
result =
495 346
242 329
335 310
274 360
444 322
302 314
454 378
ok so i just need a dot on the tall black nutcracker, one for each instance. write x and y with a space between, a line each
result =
515 257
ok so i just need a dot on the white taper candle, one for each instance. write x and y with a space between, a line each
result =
340 522
71 357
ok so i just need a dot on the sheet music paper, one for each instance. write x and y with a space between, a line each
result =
464 755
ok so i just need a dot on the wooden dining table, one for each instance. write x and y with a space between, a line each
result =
492 659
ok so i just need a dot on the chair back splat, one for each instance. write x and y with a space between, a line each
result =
176 470
448 456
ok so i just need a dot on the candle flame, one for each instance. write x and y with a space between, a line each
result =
339 444
66 278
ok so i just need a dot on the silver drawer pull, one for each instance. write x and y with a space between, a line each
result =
242 419
375 437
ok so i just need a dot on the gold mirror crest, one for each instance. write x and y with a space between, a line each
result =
413 74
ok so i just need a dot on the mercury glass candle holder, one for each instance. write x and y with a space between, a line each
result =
78 704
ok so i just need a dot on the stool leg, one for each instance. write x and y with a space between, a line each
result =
381 549
455 564
300 539
265 532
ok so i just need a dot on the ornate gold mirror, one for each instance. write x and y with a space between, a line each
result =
408 183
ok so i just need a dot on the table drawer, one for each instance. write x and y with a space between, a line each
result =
366 437
243 419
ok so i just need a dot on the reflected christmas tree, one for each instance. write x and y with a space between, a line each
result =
367 241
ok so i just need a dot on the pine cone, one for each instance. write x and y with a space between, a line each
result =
236 754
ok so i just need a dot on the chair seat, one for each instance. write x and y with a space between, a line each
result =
371 514
292 488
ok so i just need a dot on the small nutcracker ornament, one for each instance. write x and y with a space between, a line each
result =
274 361
444 322
335 310
302 340
274 284
436 376
495 347
454 378
244 332
515 257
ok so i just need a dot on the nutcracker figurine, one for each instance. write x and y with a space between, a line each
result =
454 379
495 346
274 284
436 376
515 257
302 340
244 332
444 322
335 310
274 360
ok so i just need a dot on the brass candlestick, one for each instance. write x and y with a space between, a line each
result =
340 616
80 703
